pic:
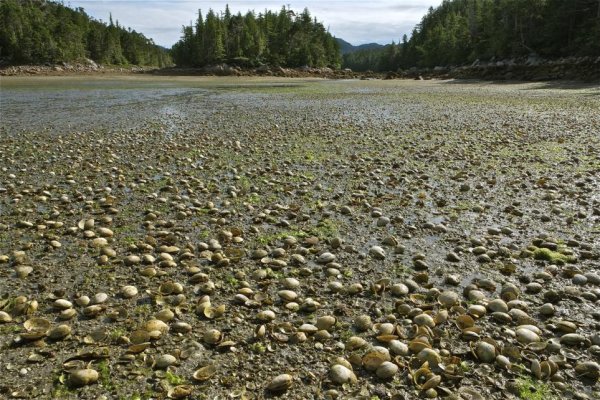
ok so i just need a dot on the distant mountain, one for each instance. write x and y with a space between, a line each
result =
346 48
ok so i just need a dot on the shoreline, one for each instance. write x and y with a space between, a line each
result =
584 69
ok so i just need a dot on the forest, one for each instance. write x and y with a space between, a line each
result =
458 32
462 31
281 38
38 32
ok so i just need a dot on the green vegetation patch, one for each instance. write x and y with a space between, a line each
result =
534 390
552 256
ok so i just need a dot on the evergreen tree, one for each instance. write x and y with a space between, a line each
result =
281 38
39 31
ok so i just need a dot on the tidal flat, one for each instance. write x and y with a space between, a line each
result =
217 238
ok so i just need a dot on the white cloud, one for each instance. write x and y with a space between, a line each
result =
355 21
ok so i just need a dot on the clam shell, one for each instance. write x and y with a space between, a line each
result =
214 312
83 377
485 352
464 321
156 325
59 332
448 298
340 375
432 383
36 325
526 336
213 336
205 373
180 392
355 343
386 370
5 317
280 383
417 345
326 322
371 361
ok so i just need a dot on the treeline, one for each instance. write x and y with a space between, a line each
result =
282 39
462 31
39 31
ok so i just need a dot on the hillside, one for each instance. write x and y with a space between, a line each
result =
347 48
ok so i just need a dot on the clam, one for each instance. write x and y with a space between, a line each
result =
280 383
503 361
165 315
355 342
431 383
181 327
326 258
448 298
497 305
429 356
129 291
566 326
377 252
99 298
156 325
372 360
62 304
572 339
139 336
67 314
205 373
23 271
399 290
308 328
386 370
164 361
509 292
213 336
398 348
326 322
363 322
418 344
83 377
36 325
5 317
59 332
265 316
179 392
588 370
287 295
425 320
464 321
526 336
211 312
341 375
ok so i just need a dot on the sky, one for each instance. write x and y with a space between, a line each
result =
358 22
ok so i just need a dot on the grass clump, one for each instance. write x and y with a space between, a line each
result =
552 256
104 372
534 390
174 379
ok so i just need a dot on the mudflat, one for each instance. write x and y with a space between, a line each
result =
303 238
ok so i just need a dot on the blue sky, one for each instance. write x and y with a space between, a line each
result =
357 22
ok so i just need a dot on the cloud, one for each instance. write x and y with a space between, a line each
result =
355 21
